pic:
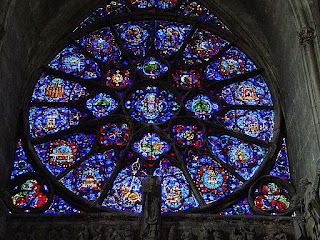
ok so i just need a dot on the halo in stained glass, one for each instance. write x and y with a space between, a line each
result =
90 177
152 88
170 37
102 45
254 92
53 89
258 124
176 192
71 60
152 105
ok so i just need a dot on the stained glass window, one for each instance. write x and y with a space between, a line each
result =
154 88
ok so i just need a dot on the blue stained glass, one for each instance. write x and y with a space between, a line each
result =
21 164
213 181
244 157
112 7
102 105
203 47
281 167
162 4
126 193
188 135
44 120
152 105
254 92
60 206
60 154
232 64
176 192
151 146
135 36
202 106
258 124
170 37
240 209
72 61
115 134
152 67
102 45
89 179
196 10
53 89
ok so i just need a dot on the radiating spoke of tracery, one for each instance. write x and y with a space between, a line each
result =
151 88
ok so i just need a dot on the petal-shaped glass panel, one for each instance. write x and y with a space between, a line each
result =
188 135
89 179
53 89
258 124
44 120
60 154
176 192
203 47
187 79
202 106
152 68
118 78
244 157
102 45
170 36
135 36
213 181
102 105
253 92
72 61
232 64
126 193
115 133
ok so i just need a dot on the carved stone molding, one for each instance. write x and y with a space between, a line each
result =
306 36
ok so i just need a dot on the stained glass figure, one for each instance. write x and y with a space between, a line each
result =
161 4
112 8
281 167
202 47
271 199
258 124
53 89
240 209
213 181
135 36
254 92
102 45
90 177
196 10
60 206
115 133
186 79
21 164
29 193
102 105
60 154
72 61
176 192
44 120
170 37
118 78
244 157
232 64
126 194
188 135
152 68
152 105
151 146
202 106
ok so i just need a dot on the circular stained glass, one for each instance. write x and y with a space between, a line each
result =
147 94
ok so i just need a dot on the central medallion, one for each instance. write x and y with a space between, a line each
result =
152 105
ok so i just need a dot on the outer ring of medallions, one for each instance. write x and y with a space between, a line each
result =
142 85
20 179
131 6
87 206
283 184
